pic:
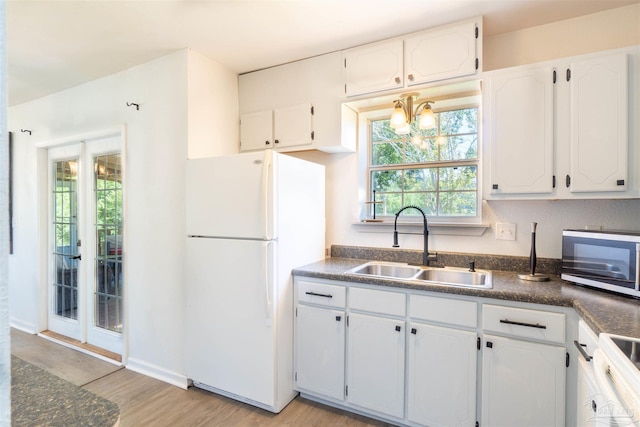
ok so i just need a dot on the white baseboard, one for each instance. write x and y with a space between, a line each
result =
29 328
157 372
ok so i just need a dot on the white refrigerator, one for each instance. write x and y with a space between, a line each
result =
251 219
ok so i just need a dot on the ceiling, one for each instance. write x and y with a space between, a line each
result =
54 45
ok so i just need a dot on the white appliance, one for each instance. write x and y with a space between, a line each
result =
617 374
251 219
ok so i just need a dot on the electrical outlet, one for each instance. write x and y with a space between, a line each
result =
505 231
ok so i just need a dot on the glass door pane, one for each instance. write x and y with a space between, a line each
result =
108 294
65 230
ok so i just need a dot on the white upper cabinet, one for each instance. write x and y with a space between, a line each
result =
283 92
599 129
282 127
520 104
373 68
561 130
419 58
256 130
441 53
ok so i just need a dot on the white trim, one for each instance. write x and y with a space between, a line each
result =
157 372
29 328
452 229
81 350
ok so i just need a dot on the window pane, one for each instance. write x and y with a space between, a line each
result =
381 131
461 147
458 203
385 181
423 179
458 178
425 201
459 121
388 153
393 203
422 150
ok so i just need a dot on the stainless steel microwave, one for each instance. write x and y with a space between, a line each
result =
608 260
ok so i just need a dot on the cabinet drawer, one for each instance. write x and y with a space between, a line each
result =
322 294
393 303
542 325
444 310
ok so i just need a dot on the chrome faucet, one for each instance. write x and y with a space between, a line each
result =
426 257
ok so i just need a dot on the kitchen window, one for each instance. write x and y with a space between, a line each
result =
435 169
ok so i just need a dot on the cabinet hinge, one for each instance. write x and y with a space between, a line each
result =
554 76
479 343
568 74
312 110
489 344
345 88
296 311
313 135
345 62
618 182
567 181
567 360
553 182
295 376
477 424
346 390
477 63
347 320
477 32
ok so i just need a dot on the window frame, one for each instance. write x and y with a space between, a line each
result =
365 167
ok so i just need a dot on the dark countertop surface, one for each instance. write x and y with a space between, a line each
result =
603 312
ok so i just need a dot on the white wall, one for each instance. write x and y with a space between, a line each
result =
155 153
526 46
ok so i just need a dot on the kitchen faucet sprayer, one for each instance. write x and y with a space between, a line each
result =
425 232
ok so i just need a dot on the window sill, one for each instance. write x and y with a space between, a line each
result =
446 228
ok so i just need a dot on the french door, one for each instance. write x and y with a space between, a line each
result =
86 291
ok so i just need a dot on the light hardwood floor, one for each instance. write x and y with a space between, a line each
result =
144 401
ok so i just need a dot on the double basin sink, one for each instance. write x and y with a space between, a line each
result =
449 276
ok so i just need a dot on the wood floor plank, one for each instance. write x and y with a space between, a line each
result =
66 363
145 401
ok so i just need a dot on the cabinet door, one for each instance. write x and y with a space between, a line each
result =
373 68
521 131
320 344
441 376
523 383
441 54
256 130
292 126
375 364
599 129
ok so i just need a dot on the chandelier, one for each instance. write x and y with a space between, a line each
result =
403 114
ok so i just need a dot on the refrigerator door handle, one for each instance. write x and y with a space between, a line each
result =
266 217
268 280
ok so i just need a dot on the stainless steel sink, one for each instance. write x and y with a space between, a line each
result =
395 271
450 276
455 277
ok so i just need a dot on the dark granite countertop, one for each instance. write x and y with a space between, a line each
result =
603 312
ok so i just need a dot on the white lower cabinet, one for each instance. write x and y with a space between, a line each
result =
375 364
523 383
441 376
413 358
320 350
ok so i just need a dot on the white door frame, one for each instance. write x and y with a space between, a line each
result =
44 207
